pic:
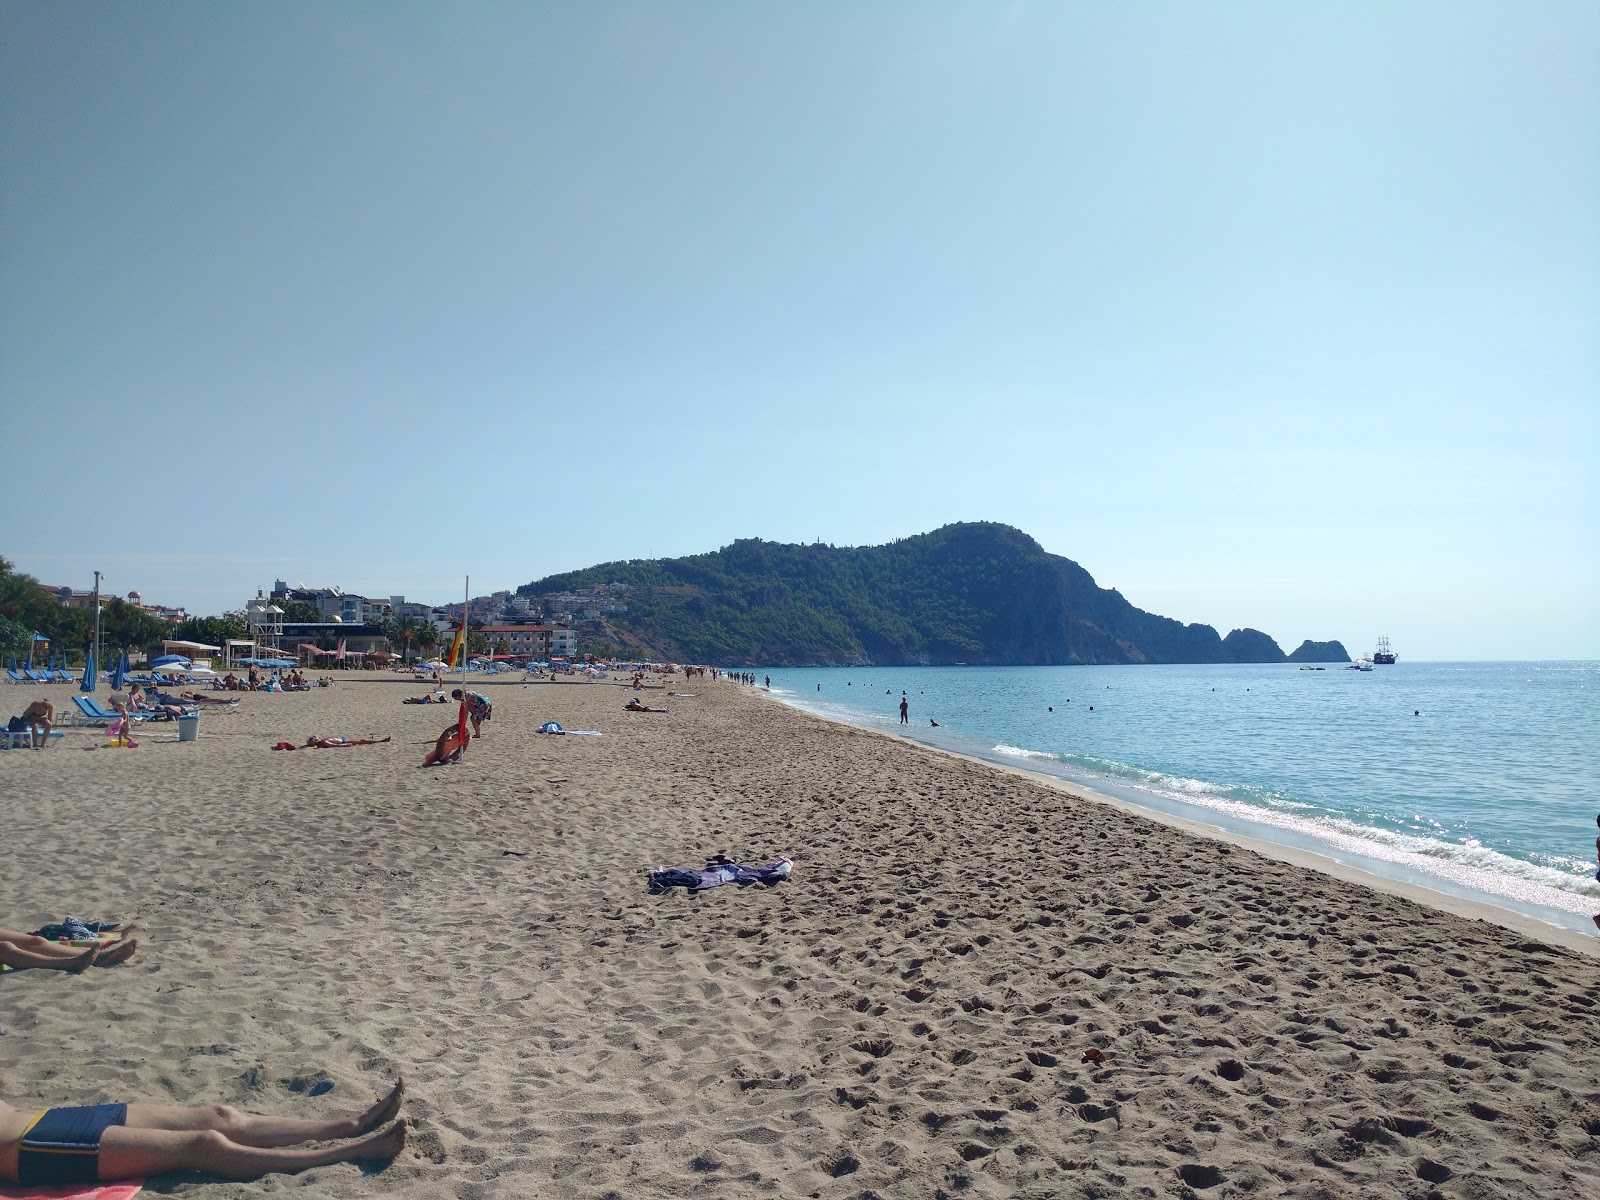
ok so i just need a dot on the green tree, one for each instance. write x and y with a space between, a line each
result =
129 626
13 636
403 631
301 612
427 637
24 601
212 631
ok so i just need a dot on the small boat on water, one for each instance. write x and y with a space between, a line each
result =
1384 655
1360 664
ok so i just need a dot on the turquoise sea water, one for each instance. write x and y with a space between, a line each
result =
1491 793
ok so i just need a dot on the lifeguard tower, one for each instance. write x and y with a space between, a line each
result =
266 627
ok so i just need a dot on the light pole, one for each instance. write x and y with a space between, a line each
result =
97 577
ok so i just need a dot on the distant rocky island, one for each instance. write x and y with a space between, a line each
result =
975 593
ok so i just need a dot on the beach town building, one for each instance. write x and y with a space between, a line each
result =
532 640
335 603
358 638
536 641
69 597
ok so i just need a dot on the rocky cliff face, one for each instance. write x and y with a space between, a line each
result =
1251 646
1319 652
976 593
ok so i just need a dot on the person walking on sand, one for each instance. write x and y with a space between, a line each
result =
479 709
1597 873
905 710
102 1143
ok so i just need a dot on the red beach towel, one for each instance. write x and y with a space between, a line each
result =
73 1191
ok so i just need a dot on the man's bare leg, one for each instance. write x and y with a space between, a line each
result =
127 1152
253 1129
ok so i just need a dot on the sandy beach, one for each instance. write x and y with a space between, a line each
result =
908 1016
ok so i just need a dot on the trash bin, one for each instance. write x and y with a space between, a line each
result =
189 728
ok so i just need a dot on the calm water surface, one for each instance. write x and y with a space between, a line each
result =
1490 793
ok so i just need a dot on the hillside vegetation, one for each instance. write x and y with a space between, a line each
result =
977 593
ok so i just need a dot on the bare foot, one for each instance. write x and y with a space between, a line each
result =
385 1143
383 1111
382 740
117 952
76 965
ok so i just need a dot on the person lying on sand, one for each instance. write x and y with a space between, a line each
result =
23 952
339 743
197 698
432 698
635 706
106 1142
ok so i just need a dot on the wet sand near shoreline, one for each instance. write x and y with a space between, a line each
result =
908 1016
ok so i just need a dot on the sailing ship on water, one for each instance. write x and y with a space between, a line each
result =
1384 655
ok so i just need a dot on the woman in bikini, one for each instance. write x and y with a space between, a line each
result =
105 1142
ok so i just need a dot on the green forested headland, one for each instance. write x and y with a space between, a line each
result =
976 593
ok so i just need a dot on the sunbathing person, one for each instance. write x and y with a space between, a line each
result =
24 952
635 706
434 698
197 698
106 1142
163 702
339 743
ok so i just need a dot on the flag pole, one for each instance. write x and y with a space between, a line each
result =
466 605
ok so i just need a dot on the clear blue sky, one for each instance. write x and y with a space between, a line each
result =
1274 315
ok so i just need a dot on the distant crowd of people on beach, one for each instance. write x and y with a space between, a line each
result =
293 680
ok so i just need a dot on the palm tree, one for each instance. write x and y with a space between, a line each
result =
426 637
403 630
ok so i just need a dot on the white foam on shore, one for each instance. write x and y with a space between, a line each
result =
1458 867
1462 864
1019 752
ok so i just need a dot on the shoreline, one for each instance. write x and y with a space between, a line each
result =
1434 889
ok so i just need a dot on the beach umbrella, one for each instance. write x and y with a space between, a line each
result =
90 675
121 671
170 660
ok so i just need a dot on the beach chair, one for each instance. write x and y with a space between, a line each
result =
21 739
98 714
16 675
